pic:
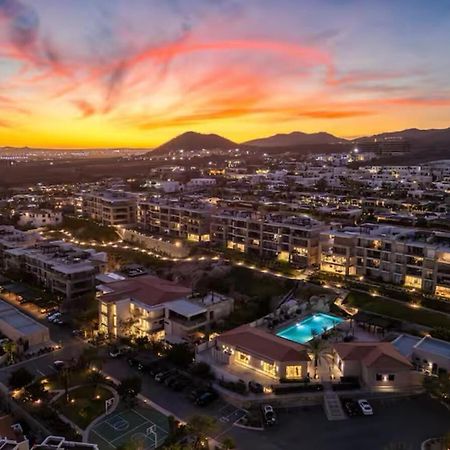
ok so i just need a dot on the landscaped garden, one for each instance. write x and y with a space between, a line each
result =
88 230
397 310
85 403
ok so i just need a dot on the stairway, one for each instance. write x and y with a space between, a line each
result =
332 404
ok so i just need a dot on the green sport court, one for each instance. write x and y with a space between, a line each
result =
143 425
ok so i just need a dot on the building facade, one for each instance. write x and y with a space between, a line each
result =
185 220
412 258
293 239
110 207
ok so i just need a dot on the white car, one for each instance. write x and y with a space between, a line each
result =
58 364
54 317
365 407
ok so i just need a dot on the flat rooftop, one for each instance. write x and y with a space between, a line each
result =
435 346
405 344
16 319
186 308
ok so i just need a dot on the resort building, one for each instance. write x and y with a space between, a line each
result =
60 267
181 219
427 354
338 253
413 258
39 218
293 239
17 326
11 238
110 207
149 305
378 365
258 353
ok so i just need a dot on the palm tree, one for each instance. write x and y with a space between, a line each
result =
201 427
64 374
318 348
10 347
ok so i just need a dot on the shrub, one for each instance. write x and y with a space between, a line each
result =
20 378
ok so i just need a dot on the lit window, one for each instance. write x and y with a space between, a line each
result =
293 372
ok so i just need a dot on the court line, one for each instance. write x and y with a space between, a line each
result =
128 432
104 439
151 421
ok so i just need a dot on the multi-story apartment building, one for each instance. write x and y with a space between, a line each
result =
149 305
413 258
39 218
182 219
63 268
337 252
11 238
293 239
110 207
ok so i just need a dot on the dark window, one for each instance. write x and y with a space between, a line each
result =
391 377
379 377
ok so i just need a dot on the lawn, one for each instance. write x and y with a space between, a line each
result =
397 310
87 230
122 256
85 404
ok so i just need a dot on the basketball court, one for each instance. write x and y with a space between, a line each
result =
144 425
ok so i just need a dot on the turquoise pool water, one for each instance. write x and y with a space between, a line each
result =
310 327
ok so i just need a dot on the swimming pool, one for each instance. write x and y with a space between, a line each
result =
310 327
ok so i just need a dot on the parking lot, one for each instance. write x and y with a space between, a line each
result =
178 402
409 421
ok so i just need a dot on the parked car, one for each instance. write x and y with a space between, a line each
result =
58 364
351 407
78 333
161 376
365 407
255 387
133 362
195 393
269 415
180 384
171 379
54 317
206 398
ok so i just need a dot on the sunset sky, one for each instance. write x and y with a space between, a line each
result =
92 73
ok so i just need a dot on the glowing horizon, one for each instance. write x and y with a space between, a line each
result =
95 74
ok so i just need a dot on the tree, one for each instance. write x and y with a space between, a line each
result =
129 388
318 348
181 355
201 427
228 444
90 358
202 370
438 386
321 185
64 375
20 378
10 348
96 378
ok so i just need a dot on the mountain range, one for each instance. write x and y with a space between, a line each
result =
436 139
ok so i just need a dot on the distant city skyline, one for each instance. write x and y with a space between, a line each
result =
112 73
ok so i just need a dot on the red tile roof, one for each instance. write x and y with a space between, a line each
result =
260 343
381 355
146 289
